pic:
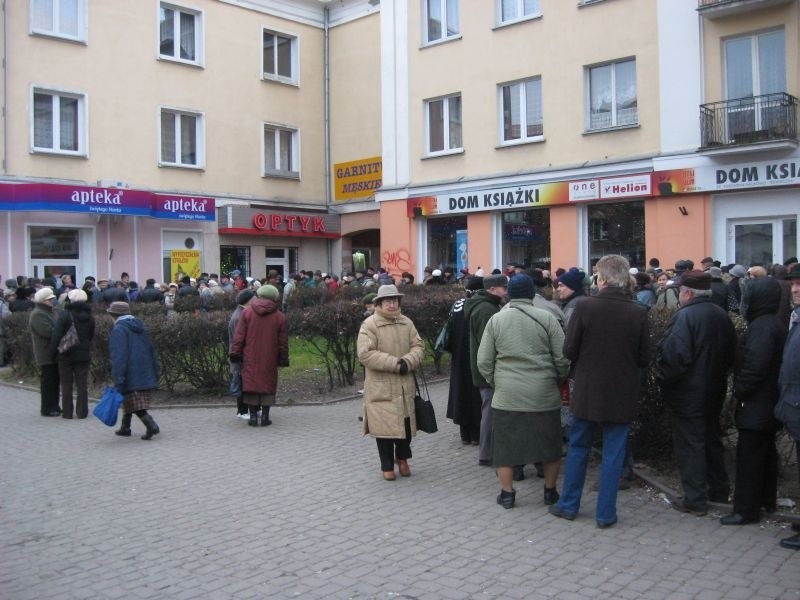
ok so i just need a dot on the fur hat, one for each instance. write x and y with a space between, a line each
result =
521 286
119 308
77 296
270 292
43 295
474 283
697 280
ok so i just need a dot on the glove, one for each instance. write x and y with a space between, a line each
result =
235 358
403 367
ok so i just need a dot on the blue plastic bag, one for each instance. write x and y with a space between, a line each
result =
106 410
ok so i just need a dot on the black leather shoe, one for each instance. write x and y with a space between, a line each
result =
551 496
519 472
681 506
736 519
792 543
506 499
557 512
52 413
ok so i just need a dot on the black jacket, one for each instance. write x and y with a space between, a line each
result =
151 294
79 313
758 358
695 355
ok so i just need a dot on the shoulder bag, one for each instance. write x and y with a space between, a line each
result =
70 339
423 408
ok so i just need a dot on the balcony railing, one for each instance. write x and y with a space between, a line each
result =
772 117
714 9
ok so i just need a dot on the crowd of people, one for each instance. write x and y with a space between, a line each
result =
525 344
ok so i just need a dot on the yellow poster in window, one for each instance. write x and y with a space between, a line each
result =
184 262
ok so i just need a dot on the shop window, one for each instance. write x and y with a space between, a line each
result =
234 257
617 229
526 237
443 240
180 34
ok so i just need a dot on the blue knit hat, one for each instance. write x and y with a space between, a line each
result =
573 279
521 286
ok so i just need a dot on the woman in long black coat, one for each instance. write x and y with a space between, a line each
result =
73 365
755 390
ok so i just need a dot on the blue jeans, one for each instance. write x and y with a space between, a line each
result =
615 436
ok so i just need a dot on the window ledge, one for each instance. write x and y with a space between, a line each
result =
512 144
291 176
511 22
281 80
180 61
180 166
583 3
610 129
60 37
441 41
61 153
443 153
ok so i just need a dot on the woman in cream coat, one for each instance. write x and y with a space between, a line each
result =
390 349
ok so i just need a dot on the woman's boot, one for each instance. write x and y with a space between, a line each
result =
152 426
253 422
125 426
506 499
265 416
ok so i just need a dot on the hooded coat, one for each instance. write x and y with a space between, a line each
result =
261 343
133 357
388 395
478 310
758 358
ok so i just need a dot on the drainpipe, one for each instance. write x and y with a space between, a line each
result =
5 89
326 87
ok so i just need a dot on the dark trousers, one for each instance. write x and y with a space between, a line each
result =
391 448
48 388
697 443
77 372
756 473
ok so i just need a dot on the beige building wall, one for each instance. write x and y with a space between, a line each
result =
126 83
717 30
553 47
355 55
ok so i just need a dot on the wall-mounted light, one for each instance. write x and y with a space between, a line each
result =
417 211
683 211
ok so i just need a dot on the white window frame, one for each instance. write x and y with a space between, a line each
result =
200 140
83 121
614 111
81 18
520 4
292 173
524 137
294 78
445 21
199 34
446 126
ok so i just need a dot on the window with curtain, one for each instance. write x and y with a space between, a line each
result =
755 65
181 139
442 19
281 152
59 18
279 52
58 122
516 10
521 110
180 33
612 95
443 119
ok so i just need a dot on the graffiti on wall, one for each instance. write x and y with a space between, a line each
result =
397 261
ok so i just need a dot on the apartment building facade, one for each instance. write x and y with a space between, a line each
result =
139 133
549 133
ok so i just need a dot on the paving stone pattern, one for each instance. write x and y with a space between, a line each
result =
212 508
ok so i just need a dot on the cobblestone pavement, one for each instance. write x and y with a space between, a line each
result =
212 508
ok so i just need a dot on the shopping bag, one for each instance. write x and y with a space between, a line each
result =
106 410
423 408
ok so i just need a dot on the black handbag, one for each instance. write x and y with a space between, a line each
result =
423 408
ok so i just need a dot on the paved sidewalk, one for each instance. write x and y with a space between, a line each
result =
212 508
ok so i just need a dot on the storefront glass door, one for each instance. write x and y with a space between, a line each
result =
762 241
